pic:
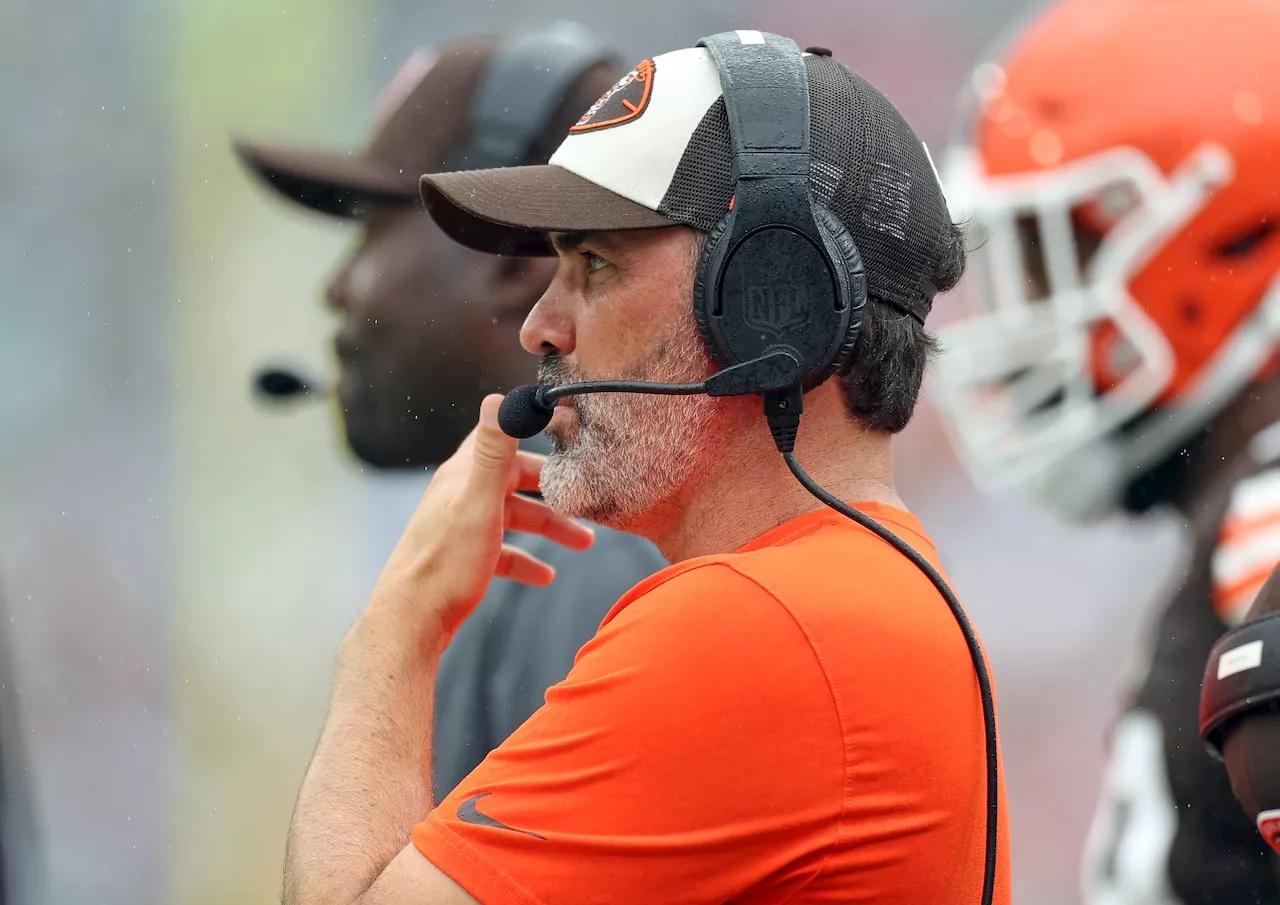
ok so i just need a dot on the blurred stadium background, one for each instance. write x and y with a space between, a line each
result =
177 565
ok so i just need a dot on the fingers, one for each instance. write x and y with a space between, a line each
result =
536 517
522 566
527 473
492 452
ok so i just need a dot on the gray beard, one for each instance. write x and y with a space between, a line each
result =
630 454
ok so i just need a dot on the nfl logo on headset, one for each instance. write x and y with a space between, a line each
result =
775 308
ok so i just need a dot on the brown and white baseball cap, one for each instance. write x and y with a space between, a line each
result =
477 101
655 151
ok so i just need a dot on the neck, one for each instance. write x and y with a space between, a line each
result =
751 490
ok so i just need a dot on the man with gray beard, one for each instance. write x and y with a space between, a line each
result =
788 713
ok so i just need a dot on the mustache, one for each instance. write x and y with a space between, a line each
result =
554 371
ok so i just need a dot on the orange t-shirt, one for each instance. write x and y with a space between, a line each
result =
795 722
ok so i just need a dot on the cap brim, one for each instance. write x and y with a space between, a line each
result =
509 211
331 183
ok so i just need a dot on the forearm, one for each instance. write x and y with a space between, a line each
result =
370 779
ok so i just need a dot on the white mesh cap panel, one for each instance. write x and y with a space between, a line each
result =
638 158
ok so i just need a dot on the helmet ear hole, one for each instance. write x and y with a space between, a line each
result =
1248 240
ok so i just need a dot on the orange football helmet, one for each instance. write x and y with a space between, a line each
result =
1122 170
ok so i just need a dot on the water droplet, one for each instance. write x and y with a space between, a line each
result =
989 81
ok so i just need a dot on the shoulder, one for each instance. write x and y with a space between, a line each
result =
1247 542
702 615
835 573
814 580
693 591
820 561
700 644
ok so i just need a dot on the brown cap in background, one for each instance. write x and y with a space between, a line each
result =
475 102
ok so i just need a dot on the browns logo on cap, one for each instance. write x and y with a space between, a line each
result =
622 103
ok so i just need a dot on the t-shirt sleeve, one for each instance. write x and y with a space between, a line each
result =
664 765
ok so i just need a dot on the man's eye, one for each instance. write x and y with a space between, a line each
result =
594 261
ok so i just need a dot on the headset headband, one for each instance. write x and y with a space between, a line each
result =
511 107
766 95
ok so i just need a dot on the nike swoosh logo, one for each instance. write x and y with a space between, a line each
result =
469 813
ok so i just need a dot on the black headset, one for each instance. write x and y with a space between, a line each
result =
779 272
511 108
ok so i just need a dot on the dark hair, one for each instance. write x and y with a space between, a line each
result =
882 377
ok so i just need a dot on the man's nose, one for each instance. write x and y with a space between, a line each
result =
549 328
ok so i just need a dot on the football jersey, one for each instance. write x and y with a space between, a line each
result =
1168 830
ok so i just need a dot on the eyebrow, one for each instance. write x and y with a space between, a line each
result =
566 243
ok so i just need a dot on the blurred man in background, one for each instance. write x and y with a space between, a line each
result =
1124 359
427 328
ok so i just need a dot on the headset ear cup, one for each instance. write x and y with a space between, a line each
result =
704 288
853 279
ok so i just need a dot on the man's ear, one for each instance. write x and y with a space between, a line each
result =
520 281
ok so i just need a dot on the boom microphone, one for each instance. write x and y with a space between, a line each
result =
527 409
523 412
277 386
